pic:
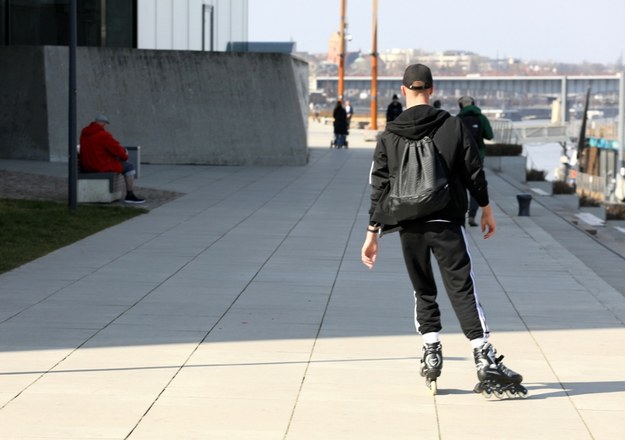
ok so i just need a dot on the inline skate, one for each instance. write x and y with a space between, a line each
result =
494 377
431 365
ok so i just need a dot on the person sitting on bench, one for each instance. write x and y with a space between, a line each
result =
101 153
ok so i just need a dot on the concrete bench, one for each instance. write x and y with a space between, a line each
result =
106 187
100 187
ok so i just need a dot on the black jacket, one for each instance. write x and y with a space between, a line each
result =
393 110
455 145
478 124
340 120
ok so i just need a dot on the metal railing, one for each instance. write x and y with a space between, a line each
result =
506 132
503 131
590 183
541 133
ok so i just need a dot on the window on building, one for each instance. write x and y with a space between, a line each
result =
3 30
108 23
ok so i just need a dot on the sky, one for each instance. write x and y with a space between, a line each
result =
568 31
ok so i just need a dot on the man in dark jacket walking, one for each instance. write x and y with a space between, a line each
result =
479 127
394 109
440 233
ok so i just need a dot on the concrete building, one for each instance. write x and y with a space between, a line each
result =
398 59
143 24
334 48
453 60
159 70
191 24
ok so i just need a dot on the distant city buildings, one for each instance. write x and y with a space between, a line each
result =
334 48
456 65
447 63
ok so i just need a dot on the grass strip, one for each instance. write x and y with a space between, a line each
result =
30 229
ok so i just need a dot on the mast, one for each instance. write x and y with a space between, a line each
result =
341 86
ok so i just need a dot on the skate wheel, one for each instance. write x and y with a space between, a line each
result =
499 394
433 388
487 394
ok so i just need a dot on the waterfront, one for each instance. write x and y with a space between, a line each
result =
543 157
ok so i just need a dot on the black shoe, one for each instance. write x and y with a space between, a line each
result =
489 366
432 360
494 377
132 199
472 221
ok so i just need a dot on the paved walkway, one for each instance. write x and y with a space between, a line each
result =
241 311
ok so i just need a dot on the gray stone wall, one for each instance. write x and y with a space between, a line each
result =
180 107
23 106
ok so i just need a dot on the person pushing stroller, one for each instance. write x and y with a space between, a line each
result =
340 126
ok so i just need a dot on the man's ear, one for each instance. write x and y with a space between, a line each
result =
403 90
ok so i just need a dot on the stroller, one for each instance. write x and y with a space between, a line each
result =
334 143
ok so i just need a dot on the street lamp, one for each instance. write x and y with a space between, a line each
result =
72 153
374 69
620 178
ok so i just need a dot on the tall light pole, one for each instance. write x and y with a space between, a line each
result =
342 51
620 172
374 69
72 153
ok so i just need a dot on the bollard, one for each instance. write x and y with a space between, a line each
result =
524 204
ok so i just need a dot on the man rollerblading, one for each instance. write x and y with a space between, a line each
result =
431 365
494 377
438 234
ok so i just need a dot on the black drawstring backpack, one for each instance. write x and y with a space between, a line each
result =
422 184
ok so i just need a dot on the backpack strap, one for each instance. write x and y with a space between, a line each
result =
431 136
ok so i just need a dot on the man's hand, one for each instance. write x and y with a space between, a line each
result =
488 221
369 251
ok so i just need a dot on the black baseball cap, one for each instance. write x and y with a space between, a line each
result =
418 77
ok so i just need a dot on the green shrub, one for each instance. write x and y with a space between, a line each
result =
560 187
615 211
586 200
504 149
535 175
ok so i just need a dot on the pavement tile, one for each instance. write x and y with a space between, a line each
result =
241 310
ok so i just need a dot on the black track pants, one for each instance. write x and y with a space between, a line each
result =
449 245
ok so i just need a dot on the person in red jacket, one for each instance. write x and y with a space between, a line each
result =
101 153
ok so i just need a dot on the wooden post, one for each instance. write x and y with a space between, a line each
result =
341 85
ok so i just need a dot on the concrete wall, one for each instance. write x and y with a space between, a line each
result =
514 166
23 106
181 107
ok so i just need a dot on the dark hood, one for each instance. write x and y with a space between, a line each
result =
417 121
